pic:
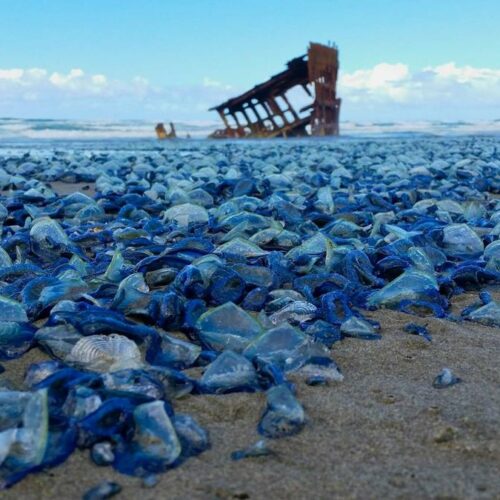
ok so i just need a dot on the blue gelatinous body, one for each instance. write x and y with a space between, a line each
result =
216 268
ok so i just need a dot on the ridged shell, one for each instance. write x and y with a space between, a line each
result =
105 353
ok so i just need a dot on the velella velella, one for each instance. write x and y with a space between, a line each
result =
359 328
419 330
106 489
284 346
48 238
487 314
283 416
459 240
24 435
445 378
258 449
154 445
193 438
186 214
320 371
227 327
12 311
411 285
15 339
222 268
229 372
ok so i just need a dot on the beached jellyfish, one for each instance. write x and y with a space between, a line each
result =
15 339
239 247
227 327
488 314
258 449
102 491
321 370
359 328
283 416
209 268
25 428
132 294
459 240
186 214
37 372
48 238
411 285
445 378
419 330
228 373
5 260
115 269
294 313
193 438
283 345
154 446
12 311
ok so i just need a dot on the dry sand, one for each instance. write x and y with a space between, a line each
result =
384 432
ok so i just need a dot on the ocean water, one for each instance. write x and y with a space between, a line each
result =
15 129
49 129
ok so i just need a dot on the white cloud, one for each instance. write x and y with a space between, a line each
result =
76 94
11 74
73 80
454 91
99 80
466 74
209 82
38 82
382 80
384 92
378 77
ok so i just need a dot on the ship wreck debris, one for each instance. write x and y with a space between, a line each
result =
162 133
266 111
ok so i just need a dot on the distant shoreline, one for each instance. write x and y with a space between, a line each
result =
97 130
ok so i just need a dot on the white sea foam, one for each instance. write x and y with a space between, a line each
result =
93 130
11 128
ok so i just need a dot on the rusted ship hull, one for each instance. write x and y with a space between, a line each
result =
266 111
162 133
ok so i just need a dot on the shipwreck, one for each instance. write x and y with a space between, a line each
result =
266 110
162 133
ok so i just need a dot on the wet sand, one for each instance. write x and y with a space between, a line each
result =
384 432
64 188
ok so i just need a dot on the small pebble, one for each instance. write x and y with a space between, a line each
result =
445 435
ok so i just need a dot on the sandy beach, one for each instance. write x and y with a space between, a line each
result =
249 250
384 432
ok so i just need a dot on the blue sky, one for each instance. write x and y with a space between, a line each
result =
109 59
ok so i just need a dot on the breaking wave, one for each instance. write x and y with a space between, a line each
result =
40 129
12 128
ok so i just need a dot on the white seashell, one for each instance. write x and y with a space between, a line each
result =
105 353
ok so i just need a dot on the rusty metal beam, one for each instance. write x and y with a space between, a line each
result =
318 69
